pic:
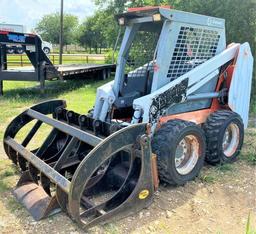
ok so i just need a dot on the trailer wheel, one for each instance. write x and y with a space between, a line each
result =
10 50
180 149
224 131
46 50
19 50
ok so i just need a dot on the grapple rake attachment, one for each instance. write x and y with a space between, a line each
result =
93 170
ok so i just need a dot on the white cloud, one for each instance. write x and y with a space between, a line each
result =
29 12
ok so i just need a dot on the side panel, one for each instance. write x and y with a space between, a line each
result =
240 88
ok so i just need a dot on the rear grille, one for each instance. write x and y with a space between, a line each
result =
193 47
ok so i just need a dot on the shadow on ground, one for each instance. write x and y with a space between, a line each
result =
53 89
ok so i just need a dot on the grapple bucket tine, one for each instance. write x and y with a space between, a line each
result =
31 133
34 198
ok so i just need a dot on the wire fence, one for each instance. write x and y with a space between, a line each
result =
21 60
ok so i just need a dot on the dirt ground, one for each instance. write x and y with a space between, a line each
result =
218 201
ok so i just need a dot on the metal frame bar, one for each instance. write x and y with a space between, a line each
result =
203 96
48 171
79 134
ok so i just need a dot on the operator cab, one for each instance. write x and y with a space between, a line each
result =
139 64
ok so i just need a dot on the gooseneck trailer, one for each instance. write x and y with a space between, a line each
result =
43 69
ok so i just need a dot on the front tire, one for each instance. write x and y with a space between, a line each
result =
180 149
224 132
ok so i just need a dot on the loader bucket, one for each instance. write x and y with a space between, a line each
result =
95 171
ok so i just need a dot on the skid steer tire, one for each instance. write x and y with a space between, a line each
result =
216 127
166 145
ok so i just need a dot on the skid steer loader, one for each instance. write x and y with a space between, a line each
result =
180 96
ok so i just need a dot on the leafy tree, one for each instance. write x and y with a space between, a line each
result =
240 16
98 31
49 28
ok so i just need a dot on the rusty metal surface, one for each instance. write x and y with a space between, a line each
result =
36 200
155 171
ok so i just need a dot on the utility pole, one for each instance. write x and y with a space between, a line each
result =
61 32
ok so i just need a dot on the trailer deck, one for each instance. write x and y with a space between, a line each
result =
69 70
42 68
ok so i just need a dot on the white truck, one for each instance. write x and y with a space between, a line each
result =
46 46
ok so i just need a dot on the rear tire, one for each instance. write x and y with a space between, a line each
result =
224 132
180 149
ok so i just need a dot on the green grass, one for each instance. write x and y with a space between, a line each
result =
209 179
111 229
7 173
225 167
248 152
211 174
253 107
249 228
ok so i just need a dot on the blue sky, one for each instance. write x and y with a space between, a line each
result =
29 12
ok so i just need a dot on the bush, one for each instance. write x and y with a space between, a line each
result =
111 56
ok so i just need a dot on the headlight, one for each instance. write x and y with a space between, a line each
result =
121 21
156 17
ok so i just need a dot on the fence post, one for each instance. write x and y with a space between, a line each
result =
21 60
53 59
1 87
87 59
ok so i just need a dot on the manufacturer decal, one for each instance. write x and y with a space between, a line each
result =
143 194
215 22
16 38
166 99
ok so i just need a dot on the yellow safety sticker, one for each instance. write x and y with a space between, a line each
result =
143 194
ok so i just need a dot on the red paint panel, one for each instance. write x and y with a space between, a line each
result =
133 9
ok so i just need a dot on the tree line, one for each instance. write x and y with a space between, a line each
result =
101 29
